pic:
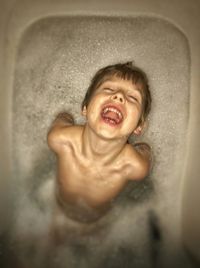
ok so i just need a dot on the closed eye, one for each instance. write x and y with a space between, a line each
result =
133 98
108 89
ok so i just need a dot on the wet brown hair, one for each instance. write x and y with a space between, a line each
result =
126 71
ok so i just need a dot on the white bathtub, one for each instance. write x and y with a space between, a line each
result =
49 49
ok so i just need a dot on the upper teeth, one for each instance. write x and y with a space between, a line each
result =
112 110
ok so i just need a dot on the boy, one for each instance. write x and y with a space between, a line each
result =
95 160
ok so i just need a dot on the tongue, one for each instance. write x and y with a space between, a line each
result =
111 115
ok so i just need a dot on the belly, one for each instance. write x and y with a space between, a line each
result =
86 197
81 208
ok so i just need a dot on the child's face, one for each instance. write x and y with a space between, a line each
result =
115 109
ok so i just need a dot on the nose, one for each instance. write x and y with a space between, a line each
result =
118 96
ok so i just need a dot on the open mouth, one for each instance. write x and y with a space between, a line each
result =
111 115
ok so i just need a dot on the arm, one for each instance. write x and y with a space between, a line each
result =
144 150
57 135
141 161
62 120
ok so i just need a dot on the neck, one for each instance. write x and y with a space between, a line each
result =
98 148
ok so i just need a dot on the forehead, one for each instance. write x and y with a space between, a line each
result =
120 83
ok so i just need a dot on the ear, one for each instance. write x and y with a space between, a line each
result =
84 111
140 129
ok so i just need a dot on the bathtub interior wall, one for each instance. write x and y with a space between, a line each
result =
57 57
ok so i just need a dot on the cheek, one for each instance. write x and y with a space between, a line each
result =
135 115
93 108
96 103
134 109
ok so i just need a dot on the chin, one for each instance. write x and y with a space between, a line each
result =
108 135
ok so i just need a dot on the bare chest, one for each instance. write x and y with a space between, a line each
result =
89 179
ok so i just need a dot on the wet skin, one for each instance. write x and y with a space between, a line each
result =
95 162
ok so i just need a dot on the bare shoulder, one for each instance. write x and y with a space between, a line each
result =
61 138
139 159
